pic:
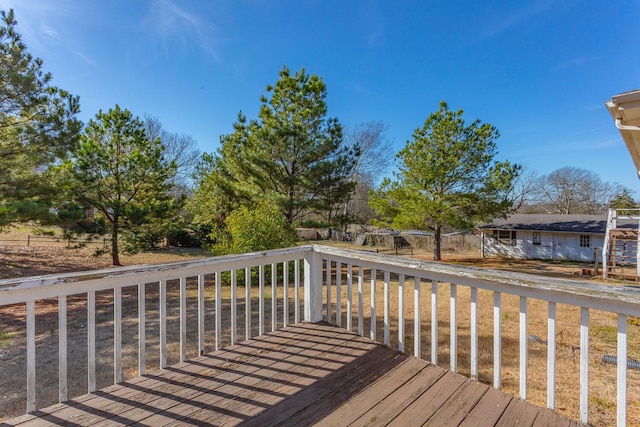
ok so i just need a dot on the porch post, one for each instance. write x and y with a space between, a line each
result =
312 287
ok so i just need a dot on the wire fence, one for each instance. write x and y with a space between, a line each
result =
69 242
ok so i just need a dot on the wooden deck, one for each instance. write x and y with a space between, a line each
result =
301 375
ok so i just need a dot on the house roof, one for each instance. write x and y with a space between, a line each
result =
596 224
625 111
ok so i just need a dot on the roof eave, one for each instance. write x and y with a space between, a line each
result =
625 111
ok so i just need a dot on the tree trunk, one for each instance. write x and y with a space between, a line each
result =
115 256
436 243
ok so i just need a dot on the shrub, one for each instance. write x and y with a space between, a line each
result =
254 229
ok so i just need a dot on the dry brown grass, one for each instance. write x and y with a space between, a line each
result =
17 261
49 257
13 344
602 341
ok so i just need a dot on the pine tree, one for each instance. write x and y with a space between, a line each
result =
38 127
623 200
292 156
448 177
121 173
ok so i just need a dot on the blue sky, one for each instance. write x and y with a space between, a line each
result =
540 71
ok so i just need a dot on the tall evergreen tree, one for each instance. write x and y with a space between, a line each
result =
623 200
120 172
292 156
448 177
37 127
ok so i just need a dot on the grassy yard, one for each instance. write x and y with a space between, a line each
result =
602 341
16 261
49 253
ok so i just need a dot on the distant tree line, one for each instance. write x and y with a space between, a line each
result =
569 190
292 165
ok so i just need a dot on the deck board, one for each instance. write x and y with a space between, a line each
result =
489 409
305 374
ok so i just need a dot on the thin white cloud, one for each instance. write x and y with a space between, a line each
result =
37 19
48 31
359 88
576 62
173 24
516 18
84 57
45 25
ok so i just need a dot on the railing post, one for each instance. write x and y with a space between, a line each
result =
523 348
312 287
91 341
622 371
474 333
201 279
234 307
453 328
218 305
497 341
62 348
183 319
551 356
584 365
142 340
31 356
117 335
434 322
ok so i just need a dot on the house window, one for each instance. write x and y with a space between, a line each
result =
585 241
536 238
505 237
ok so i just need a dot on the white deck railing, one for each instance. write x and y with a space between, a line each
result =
325 272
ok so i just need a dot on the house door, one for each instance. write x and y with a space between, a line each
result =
559 247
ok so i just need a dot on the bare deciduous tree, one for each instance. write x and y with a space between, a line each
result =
374 146
179 148
523 190
571 190
375 157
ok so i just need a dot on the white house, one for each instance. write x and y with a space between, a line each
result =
544 236
576 237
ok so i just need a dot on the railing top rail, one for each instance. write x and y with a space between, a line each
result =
52 285
614 298
610 297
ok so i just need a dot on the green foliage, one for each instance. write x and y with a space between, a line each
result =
183 232
293 156
448 177
254 229
124 175
623 200
37 128
211 201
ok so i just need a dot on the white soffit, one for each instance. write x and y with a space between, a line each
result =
625 111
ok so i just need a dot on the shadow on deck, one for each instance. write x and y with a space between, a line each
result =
300 375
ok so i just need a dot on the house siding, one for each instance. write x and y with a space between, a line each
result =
553 246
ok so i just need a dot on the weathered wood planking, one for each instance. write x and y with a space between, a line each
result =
305 374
